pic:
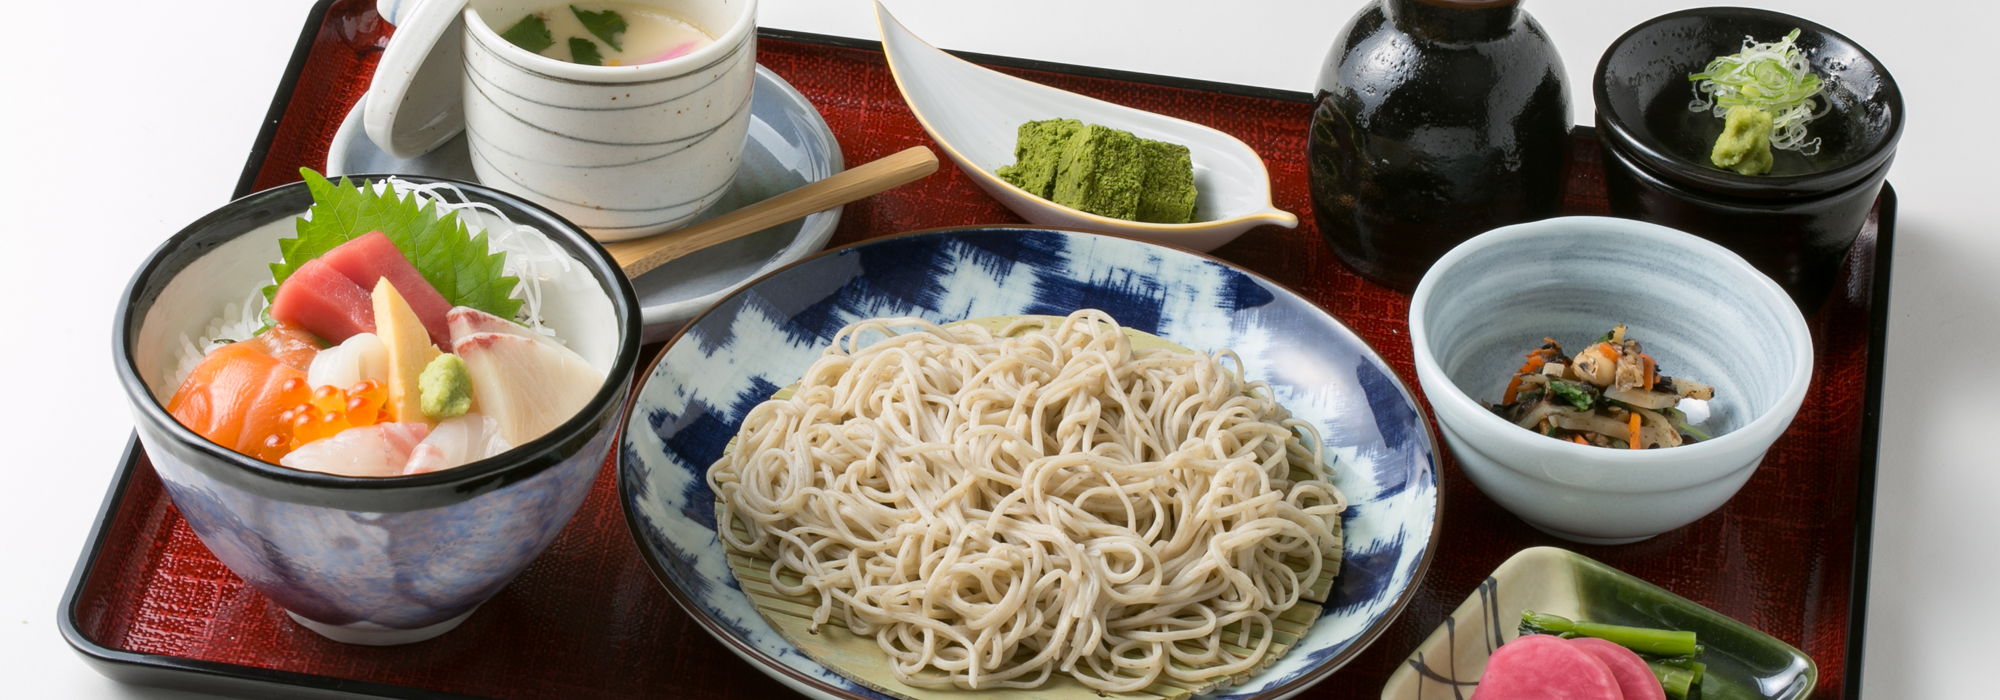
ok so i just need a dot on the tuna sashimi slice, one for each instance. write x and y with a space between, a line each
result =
321 300
1545 667
376 450
372 257
465 320
529 385
1635 680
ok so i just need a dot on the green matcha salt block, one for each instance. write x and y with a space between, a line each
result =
1168 194
1101 172
1745 144
1038 148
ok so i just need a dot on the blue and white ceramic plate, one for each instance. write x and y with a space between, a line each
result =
763 336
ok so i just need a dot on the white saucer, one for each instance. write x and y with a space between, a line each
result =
789 145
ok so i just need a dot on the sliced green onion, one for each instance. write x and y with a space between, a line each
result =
1774 77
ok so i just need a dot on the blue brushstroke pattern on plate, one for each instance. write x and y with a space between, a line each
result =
764 336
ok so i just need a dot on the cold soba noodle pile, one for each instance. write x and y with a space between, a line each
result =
996 508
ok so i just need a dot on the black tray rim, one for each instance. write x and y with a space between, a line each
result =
235 680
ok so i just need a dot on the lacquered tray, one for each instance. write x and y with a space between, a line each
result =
148 604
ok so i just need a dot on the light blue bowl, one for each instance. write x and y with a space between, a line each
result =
762 338
1702 311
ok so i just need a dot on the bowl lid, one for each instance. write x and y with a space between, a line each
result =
414 100
1643 101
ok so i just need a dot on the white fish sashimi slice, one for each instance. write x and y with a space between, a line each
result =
530 386
359 358
457 441
375 450
465 320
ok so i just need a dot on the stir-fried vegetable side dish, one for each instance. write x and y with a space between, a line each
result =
391 348
1610 394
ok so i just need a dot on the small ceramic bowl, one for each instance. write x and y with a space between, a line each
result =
974 114
1794 223
368 560
1701 310
760 338
1742 661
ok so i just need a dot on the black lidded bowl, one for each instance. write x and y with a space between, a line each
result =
369 560
1794 224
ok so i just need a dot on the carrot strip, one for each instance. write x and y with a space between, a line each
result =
1635 432
1652 370
1578 439
1534 363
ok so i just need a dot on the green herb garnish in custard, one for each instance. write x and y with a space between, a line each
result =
530 33
606 25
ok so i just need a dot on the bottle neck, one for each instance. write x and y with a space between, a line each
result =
1454 21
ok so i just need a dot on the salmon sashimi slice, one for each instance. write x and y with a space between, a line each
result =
291 344
235 398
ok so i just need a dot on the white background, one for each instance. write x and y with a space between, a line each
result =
123 120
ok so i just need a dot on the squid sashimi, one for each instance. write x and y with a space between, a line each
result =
236 397
457 441
358 359
528 384
382 449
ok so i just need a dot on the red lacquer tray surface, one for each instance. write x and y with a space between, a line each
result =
588 620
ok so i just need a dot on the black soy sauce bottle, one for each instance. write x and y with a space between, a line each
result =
1438 120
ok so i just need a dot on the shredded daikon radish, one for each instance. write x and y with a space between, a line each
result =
1774 77
530 254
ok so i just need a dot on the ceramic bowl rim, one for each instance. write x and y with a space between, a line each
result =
1326 668
1715 182
1455 407
394 493
1270 214
717 52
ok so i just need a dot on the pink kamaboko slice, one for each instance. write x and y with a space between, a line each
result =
528 384
1635 680
382 449
1545 667
456 442
318 298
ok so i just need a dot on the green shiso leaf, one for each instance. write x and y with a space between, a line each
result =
584 51
606 25
530 33
453 260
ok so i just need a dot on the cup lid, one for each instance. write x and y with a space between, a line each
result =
414 102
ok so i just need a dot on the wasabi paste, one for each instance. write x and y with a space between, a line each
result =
1773 79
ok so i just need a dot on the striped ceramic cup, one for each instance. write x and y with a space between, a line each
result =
622 151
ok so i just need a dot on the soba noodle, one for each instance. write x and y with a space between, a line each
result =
997 508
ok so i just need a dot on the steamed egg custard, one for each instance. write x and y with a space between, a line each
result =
606 34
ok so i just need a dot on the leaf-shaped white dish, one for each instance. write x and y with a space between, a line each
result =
974 114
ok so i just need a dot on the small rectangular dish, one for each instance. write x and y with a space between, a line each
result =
1742 661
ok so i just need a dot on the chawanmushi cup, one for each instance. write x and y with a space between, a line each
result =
368 560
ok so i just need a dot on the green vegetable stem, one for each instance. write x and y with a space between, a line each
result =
1675 680
1639 639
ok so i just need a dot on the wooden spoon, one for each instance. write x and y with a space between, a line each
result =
639 256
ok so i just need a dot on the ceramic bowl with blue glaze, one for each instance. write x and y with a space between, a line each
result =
1703 312
368 560
761 338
